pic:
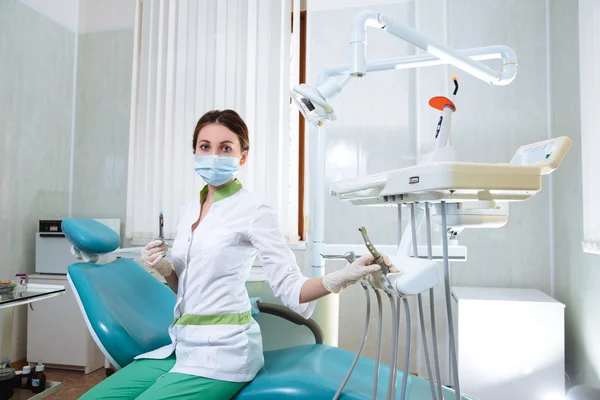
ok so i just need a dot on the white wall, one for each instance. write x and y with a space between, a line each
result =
105 15
83 16
38 46
35 125
63 12
577 273
390 114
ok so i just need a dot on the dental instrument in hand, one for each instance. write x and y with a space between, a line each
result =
161 225
376 255
161 230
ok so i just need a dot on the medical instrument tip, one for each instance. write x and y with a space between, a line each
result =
161 225
376 255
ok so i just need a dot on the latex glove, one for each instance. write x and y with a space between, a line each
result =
153 256
338 280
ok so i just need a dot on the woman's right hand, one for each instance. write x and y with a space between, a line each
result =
336 281
153 256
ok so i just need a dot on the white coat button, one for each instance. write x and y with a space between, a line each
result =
189 240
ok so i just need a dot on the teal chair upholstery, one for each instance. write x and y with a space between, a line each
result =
128 312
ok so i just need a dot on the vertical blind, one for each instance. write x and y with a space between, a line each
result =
589 64
192 56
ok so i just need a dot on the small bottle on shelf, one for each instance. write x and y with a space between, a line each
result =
38 380
26 377
21 283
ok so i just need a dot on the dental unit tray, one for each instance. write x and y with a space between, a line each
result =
455 182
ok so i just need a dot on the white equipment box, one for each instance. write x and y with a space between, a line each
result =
511 343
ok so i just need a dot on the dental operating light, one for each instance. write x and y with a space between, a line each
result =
312 102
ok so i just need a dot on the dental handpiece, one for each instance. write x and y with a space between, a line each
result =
376 255
161 225
161 230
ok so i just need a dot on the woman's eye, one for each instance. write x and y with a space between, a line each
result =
226 149
203 147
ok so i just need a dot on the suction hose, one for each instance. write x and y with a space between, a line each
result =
407 355
379 334
395 364
449 303
420 304
392 376
436 359
362 343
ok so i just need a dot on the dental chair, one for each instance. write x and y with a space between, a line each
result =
128 312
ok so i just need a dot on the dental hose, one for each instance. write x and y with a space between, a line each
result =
449 304
362 343
380 331
425 349
407 355
420 304
399 226
392 376
395 365
396 338
432 309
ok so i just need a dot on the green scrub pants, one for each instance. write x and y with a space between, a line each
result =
142 380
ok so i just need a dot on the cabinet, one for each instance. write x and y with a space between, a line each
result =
57 333
510 343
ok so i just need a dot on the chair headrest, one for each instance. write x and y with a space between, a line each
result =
89 236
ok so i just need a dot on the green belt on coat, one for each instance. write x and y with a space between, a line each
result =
219 319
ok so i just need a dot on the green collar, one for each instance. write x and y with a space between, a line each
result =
223 193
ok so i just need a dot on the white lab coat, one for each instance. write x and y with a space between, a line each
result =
212 265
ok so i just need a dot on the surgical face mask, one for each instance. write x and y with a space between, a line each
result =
217 170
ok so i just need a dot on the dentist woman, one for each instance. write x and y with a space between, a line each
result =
216 346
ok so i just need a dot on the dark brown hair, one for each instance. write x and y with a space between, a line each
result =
227 118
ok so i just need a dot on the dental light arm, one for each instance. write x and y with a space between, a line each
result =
358 44
500 52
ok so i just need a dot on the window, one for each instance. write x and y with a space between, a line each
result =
589 61
196 55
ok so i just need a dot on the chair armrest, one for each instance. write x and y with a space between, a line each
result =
289 315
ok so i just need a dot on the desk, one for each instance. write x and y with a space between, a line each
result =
33 293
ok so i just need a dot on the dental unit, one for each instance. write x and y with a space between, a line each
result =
454 195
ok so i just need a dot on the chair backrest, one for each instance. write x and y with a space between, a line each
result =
127 310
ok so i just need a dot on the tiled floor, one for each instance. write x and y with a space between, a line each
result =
74 383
